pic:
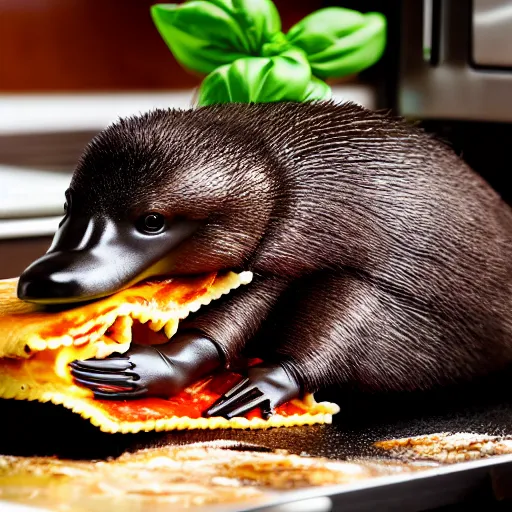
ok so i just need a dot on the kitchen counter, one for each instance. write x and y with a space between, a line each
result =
35 113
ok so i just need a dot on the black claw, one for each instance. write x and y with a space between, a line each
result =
266 387
103 365
101 376
105 386
237 401
229 398
161 371
259 401
237 387
118 395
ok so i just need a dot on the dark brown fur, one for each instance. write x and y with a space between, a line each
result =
380 258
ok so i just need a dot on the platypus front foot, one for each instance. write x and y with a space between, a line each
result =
149 371
266 387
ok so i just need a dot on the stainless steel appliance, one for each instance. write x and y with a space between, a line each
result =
456 60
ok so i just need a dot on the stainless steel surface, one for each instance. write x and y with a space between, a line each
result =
425 490
321 504
441 83
492 32
421 491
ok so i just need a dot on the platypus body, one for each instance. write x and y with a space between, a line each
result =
381 260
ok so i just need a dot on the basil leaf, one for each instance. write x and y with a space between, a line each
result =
203 35
340 42
284 77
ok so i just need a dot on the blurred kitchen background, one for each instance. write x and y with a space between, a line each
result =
70 67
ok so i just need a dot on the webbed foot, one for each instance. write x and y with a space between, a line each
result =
266 386
156 371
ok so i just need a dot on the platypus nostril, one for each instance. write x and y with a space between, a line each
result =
46 287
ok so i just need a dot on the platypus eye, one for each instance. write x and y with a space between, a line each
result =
151 223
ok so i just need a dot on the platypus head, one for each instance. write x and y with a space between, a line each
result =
167 193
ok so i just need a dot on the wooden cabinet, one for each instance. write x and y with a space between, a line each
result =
101 45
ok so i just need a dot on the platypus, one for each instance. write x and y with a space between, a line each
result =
380 259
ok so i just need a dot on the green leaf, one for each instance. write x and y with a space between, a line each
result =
259 19
285 77
200 35
324 27
206 34
340 42
317 90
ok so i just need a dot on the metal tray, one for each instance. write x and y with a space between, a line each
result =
483 407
